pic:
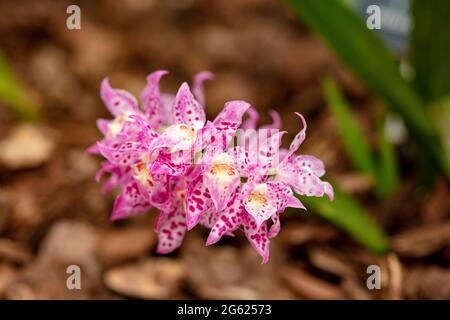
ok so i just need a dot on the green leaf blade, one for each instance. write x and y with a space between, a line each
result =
355 144
350 216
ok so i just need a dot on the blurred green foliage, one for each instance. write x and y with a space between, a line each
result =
430 47
423 105
349 215
12 94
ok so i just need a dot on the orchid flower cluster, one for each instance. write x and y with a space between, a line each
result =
222 174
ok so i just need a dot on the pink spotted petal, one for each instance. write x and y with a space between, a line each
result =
123 154
221 179
268 154
197 85
316 165
229 120
157 191
299 138
259 206
304 181
275 227
242 162
227 220
117 101
151 99
187 110
130 202
258 238
204 136
175 137
167 100
171 229
172 164
198 200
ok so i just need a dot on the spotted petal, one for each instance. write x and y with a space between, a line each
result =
241 161
229 120
276 121
299 138
316 165
151 99
117 101
198 200
197 85
130 202
221 179
187 110
258 238
171 229
303 181
227 220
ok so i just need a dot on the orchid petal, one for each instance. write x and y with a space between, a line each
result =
171 230
130 202
258 238
198 200
151 99
316 165
117 101
241 161
229 120
299 137
252 120
276 121
226 221
197 85
221 179
187 110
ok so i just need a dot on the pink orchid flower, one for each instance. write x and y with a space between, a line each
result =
166 155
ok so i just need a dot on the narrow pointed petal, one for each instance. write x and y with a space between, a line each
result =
276 121
229 120
171 230
198 200
102 125
197 85
258 238
328 190
227 221
151 99
117 101
252 120
299 138
187 110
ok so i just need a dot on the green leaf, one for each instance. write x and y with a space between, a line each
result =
12 94
430 47
355 144
387 166
350 216
366 55
441 115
